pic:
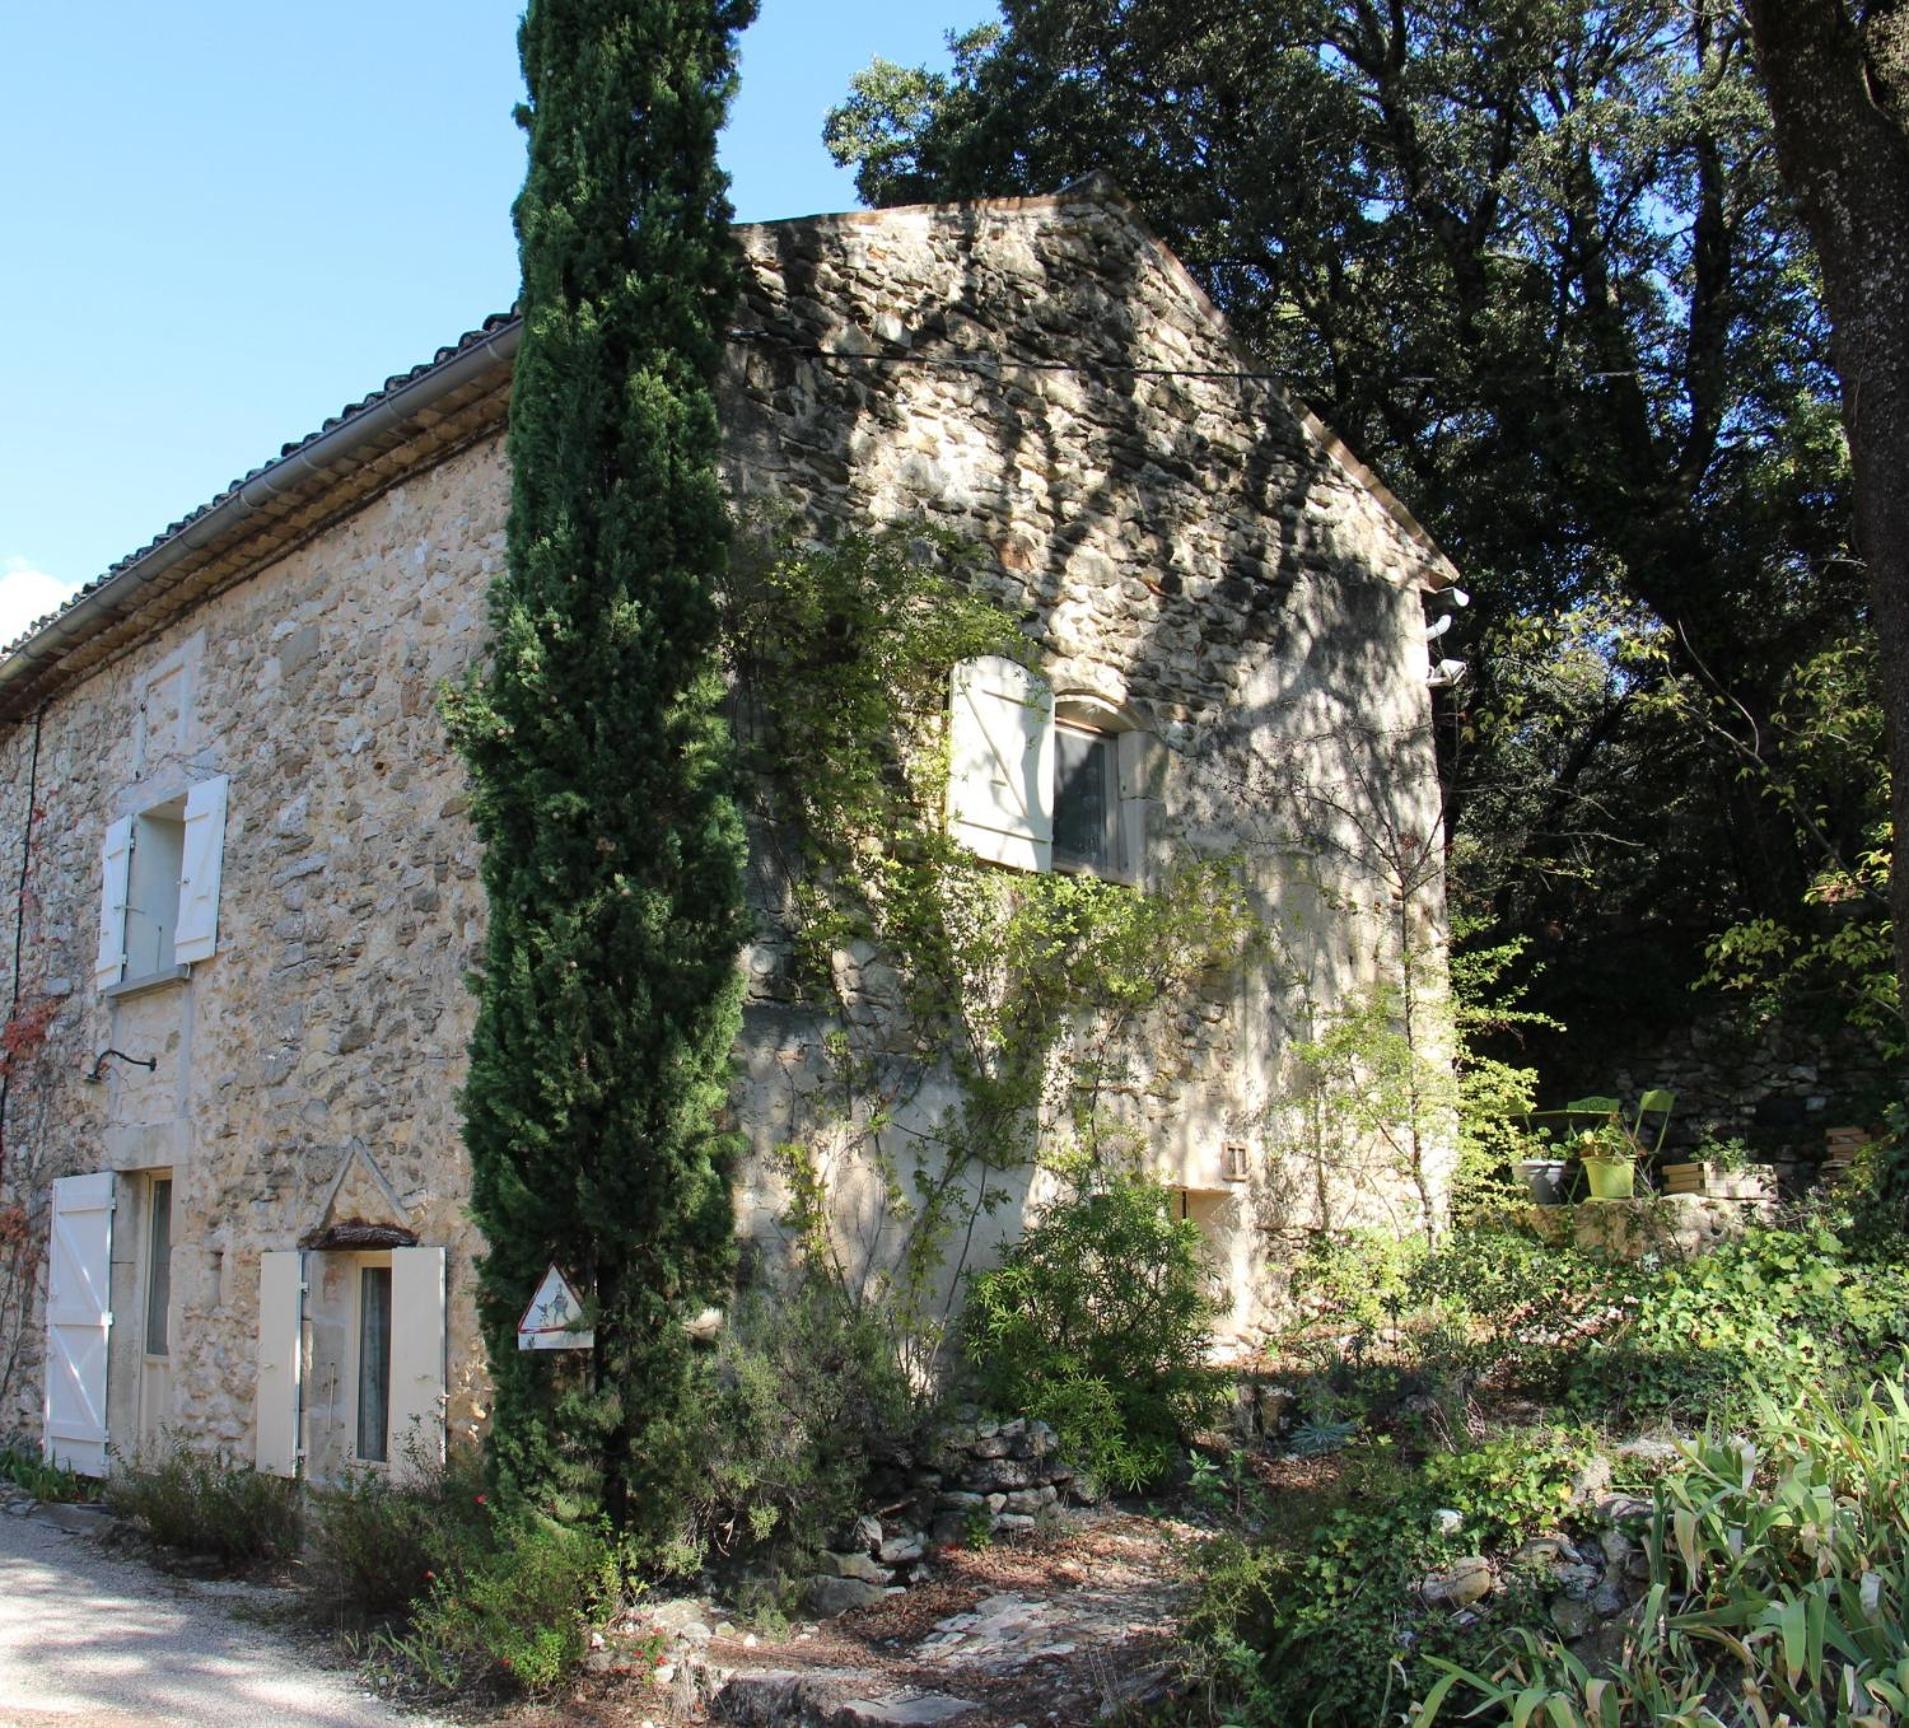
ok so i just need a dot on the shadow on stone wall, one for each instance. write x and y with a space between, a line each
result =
1176 543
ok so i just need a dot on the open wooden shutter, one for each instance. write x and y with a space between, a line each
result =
417 1358
1001 763
115 874
281 1349
79 1321
198 934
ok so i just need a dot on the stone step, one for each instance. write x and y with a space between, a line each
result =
830 1698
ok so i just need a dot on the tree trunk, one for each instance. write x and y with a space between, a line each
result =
1837 75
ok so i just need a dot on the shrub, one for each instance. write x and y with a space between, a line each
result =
1776 1311
375 1546
800 1396
22 1465
1778 1590
1313 1617
1097 1322
518 1609
207 1503
1321 1624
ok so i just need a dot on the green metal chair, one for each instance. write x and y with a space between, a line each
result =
1657 1102
1595 1109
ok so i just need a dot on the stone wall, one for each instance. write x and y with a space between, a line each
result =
1182 546
334 1015
1778 1088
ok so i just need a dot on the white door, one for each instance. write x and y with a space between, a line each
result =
79 1320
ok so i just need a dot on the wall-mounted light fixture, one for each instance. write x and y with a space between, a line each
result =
149 1063
1441 674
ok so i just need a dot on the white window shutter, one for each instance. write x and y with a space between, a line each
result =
417 1358
199 875
79 1321
115 876
281 1348
1001 763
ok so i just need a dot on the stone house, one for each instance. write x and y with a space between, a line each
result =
234 1188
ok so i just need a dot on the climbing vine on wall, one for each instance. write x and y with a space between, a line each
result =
28 1163
931 961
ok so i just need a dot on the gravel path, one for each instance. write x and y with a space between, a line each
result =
91 1641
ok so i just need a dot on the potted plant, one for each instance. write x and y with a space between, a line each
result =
1723 1170
1543 1167
1609 1156
1545 1177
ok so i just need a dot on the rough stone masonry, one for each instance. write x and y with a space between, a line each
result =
1037 377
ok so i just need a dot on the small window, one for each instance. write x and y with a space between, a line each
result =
374 1364
1086 800
159 1268
1039 789
159 886
152 896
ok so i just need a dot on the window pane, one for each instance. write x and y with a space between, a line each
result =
1082 768
159 1267
374 1363
152 893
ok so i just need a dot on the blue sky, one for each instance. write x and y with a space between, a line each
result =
223 221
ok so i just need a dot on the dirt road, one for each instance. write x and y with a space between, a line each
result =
91 1641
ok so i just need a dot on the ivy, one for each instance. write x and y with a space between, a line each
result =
842 656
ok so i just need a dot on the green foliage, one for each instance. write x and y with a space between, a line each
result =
1779 1590
600 763
1322 1624
375 1545
1728 1155
1509 1488
1309 1612
1878 1221
22 1465
801 1394
842 657
1668 1337
207 1503
1400 1082
1097 1322
1358 1280
1829 958
1380 1089
1495 1095
1776 1312
515 1610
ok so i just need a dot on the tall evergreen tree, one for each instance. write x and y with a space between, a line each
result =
599 757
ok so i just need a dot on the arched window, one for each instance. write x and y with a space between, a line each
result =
1040 783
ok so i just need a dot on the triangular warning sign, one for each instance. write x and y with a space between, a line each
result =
552 1321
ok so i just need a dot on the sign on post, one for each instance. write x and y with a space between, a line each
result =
551 1320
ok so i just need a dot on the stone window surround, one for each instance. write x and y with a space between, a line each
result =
197 807
1082 711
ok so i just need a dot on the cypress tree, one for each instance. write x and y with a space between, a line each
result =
600 761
